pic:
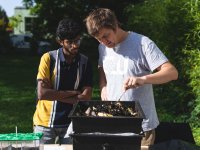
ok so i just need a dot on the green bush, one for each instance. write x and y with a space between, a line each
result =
168 23
175 27
192 63
193 66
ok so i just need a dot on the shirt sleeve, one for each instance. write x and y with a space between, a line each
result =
154 56
44 67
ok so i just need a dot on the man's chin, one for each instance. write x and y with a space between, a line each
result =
110 45
74 52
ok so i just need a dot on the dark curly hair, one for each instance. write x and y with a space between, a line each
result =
68 29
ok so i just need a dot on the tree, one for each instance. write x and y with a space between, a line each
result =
50 12
4 35
174 26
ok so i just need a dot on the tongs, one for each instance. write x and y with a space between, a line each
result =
121 96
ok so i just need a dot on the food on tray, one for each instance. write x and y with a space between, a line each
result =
103 114
114 108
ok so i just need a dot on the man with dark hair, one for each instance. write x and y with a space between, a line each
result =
131 62
64 77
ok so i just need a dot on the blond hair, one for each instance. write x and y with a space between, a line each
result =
100 18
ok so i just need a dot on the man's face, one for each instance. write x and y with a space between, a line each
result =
71 47
107 37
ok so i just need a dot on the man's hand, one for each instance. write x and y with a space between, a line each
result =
133 82
86 94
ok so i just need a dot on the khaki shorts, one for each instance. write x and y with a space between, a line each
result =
149 138
53 135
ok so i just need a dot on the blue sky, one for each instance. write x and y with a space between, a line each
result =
9 5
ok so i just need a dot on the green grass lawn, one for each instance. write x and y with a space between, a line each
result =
17 93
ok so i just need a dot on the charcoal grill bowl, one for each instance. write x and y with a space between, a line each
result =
115 124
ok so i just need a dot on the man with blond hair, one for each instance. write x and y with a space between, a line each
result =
129 62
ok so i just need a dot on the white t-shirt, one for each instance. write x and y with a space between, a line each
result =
137 56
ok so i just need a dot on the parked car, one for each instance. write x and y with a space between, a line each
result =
21 41
26 44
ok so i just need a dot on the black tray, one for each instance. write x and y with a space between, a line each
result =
115 124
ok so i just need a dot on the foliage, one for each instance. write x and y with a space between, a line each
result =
193 65
167 22
175 27
3 19
4 35
150 22
196 132
192 62
50 12
15 20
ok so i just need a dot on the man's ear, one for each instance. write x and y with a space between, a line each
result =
61 42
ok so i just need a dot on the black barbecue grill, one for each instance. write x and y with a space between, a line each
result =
106 132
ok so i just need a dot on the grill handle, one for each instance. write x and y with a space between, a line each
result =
107 146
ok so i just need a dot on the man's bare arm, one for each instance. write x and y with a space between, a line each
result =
46 92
